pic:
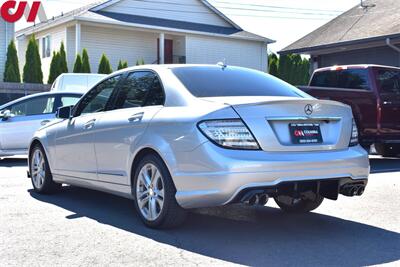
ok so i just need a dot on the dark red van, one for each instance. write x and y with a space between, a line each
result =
373 92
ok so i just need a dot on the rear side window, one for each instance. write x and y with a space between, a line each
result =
347 79
142 88
202 81
389 81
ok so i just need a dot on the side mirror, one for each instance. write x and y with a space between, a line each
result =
64 112
5 115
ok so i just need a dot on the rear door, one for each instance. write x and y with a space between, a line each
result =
27 117
139 98
352 87
388 84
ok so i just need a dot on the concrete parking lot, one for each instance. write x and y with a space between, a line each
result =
80 227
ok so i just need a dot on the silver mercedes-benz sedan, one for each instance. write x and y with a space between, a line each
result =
176 137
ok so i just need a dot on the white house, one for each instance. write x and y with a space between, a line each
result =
6 35
162 31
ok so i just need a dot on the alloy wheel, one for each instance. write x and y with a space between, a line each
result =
150 192
38 169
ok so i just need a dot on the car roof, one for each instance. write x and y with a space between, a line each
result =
38 94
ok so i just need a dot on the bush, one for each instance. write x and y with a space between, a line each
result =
122 65
33 65
104 65
11 72
290 68
85 62
140 62
78 64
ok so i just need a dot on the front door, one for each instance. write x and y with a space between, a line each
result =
168 51
75 154
26 118
139 99
389 90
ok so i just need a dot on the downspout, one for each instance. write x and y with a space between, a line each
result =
389 43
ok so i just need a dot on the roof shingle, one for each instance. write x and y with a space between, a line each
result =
356 24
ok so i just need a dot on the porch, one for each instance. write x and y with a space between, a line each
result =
124 43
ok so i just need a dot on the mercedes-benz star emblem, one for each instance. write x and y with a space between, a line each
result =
309 109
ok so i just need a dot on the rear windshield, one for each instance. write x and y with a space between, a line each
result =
206 81
348 79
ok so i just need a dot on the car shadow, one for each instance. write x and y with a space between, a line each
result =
13 162
245 235
382 165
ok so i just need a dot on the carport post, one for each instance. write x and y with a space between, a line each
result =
162 48
77 38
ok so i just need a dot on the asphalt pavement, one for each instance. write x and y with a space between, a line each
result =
80 227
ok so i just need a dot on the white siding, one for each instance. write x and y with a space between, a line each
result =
70 46
211 50
118 44
6 35
181 10
57 35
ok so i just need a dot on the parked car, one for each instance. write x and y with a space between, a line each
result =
373 92
76 82
176 137
20 119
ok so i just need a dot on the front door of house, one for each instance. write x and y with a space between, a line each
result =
168 51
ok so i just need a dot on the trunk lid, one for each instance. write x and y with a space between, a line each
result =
270 120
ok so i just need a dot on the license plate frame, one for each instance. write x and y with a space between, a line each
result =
305 133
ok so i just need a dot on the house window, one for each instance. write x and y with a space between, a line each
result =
46 49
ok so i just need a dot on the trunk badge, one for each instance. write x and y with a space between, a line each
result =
309 109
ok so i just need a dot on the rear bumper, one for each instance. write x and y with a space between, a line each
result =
213 176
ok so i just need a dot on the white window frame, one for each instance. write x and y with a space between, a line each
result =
46 46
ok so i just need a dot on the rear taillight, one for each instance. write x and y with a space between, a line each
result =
354 135
232 134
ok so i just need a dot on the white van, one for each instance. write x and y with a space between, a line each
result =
76 82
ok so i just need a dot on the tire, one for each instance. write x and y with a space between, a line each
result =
300 205
388 150
41 177
158 207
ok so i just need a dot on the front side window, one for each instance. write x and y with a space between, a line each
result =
389 81
35 106
96 100
140 89
69 100
46 47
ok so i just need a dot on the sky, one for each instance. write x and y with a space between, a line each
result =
284 21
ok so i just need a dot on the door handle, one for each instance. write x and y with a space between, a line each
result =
89 124
136 118
43 123
387 103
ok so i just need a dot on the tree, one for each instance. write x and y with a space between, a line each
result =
54 67
78 64
85 62
273 62
33 65
63 60
125 64
11 73
104 65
